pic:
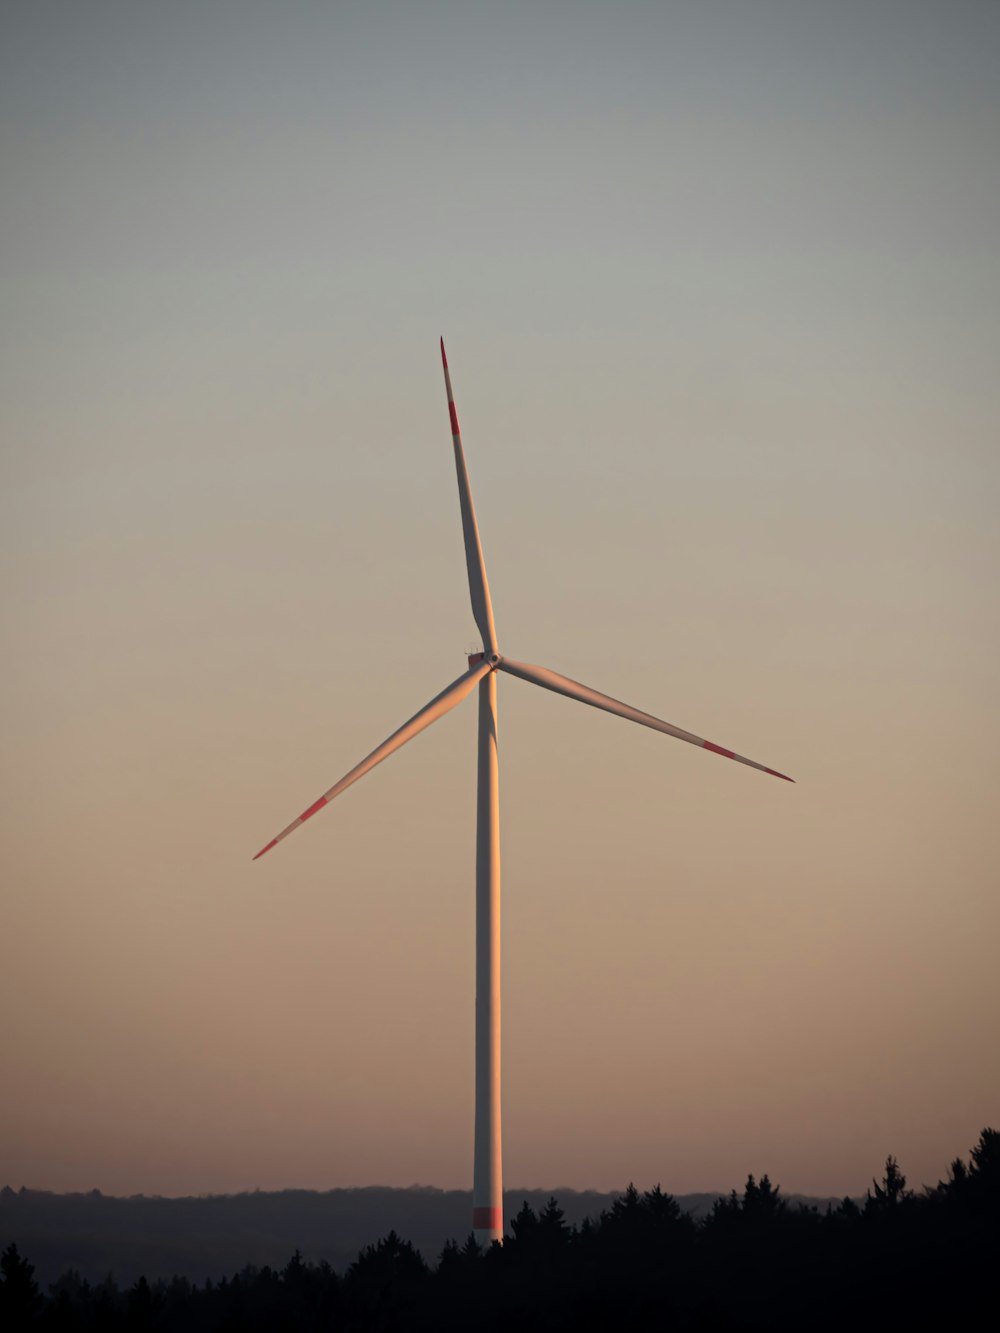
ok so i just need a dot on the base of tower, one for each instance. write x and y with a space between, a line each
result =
487 1225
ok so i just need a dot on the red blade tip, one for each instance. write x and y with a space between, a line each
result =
444 358
728 754
265 849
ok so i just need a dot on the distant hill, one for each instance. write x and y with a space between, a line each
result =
214 1235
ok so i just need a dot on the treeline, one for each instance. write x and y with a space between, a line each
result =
210 1236
899 1259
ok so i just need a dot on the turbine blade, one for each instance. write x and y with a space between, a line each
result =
479 588
441 704
551 680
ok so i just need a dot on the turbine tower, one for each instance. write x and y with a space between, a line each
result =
487 1188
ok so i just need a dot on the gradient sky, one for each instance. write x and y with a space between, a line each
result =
720 284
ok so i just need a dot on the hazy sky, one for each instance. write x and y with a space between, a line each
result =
720 284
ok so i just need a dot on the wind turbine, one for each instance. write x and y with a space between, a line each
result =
487 1189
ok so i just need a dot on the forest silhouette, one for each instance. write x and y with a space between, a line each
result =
897 1259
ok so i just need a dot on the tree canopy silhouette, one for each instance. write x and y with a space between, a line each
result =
755 1262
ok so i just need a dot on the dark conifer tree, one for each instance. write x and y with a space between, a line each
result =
20 1297
891 1192
142 1307
472 1251
524 1228
553 1234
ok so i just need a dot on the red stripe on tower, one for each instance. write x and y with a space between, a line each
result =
487 1219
